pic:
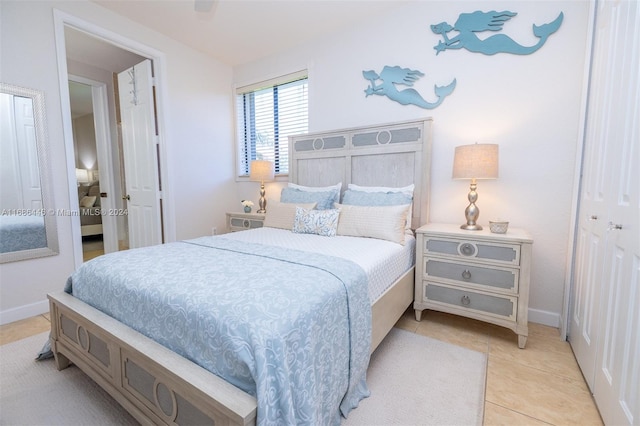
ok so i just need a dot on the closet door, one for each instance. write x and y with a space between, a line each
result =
605 323
595 198
617 379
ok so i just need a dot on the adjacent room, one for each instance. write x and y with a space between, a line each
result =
320 212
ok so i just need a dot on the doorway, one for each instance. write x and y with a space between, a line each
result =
97 56
92 148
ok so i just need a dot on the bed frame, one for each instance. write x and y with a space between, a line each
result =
156 385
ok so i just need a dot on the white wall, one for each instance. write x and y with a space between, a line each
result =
197 119
84 138
529 105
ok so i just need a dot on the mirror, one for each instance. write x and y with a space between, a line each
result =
27 217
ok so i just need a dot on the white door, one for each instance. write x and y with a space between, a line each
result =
617 375
27 153
592 229
605 324
140 149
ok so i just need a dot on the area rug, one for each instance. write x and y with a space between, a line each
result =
414 380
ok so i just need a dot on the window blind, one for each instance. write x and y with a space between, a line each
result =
267 114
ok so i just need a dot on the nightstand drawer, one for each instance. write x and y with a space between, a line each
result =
493 279
500 253
244 223
499 306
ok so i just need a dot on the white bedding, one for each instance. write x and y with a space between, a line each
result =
383 261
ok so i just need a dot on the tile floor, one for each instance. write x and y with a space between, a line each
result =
539 385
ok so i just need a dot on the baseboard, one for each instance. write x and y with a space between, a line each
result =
552 319
25 311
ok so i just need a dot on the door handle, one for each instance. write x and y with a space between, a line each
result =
103 195
614 226
127 197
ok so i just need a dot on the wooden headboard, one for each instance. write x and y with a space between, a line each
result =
393 154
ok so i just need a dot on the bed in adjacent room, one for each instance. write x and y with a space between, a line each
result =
269 325
90 210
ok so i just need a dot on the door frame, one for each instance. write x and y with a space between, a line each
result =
62 19
103 149
576 211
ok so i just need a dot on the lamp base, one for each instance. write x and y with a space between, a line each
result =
468 227
472 211
262 202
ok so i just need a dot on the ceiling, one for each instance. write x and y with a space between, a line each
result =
241 31
233 31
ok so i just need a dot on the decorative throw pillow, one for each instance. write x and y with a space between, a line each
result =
281 215
319 222
381 222
323 199
336 188
87 201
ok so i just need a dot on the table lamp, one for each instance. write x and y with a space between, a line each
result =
261 171
82 176
476 161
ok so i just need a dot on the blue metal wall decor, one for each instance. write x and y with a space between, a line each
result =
390 76
470 23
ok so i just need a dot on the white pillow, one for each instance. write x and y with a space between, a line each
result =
407 190
381 222
337 186
281 215
88 201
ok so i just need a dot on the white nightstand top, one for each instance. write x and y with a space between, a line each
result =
453 230
252 215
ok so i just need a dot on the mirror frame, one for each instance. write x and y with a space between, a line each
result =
46 186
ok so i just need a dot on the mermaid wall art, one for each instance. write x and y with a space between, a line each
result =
468 24
391 76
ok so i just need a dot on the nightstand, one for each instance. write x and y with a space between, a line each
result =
476 274
242 221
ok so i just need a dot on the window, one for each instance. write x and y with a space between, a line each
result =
267 113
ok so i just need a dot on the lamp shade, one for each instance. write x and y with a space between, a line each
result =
476 161
261 170
82 175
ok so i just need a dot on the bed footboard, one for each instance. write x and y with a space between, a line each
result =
154 384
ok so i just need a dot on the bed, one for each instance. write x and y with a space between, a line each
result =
160 383
90 210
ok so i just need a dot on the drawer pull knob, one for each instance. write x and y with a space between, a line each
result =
466 274
465 300
246 223
467 249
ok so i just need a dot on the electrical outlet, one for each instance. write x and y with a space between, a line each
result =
214 231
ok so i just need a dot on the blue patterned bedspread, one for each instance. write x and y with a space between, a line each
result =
21 233
289 327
